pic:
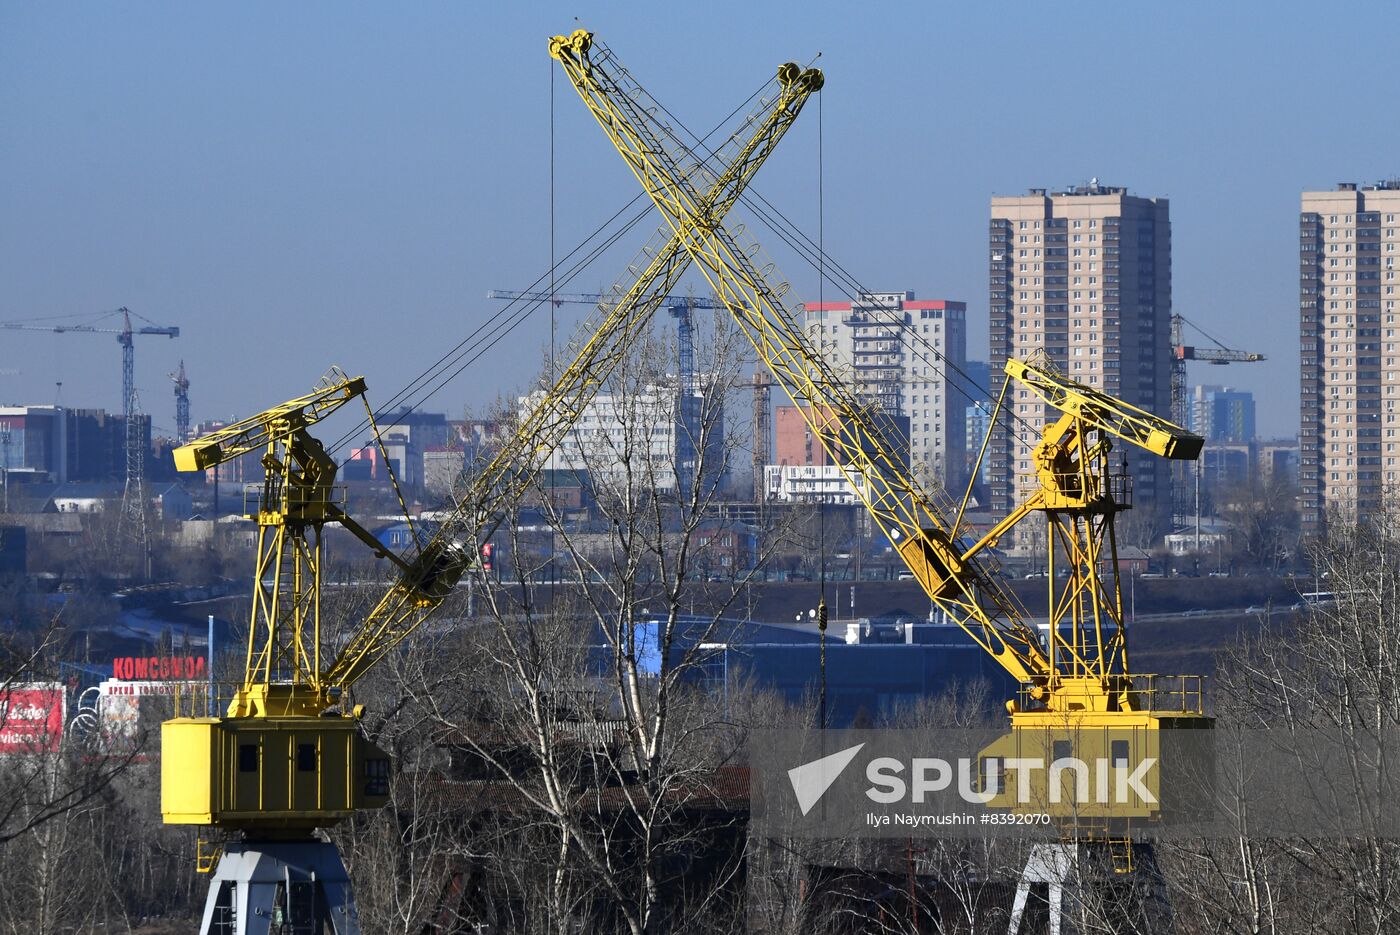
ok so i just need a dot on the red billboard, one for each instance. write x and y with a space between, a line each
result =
159 668
32 716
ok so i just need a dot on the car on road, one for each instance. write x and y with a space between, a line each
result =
1194 612
1256 609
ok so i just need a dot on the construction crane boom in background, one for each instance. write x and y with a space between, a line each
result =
182 404
1182 495
1182 352
133 445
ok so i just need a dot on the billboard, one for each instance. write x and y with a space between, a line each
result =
32 715
129 710
162 668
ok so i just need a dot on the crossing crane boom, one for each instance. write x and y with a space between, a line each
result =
1077 676
285 759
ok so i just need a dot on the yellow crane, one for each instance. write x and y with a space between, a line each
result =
287 758
1077 685
1074 486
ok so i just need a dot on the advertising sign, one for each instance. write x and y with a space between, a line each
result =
129 708
32 715
143 668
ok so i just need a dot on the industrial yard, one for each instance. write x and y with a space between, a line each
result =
681 579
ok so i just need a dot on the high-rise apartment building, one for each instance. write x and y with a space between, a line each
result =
1084 276
1221 414
1348 446
907 356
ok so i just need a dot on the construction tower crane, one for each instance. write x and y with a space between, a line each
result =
182 404
688 402
288 757
1181 353
133 444
1078 686
762 432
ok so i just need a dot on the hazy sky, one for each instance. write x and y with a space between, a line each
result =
301 184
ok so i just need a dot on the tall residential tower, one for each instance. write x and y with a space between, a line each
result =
1350 379
1084 276
908 357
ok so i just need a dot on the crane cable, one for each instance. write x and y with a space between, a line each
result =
497 326
851 287
821 503
803 244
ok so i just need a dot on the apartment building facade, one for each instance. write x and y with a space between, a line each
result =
1348 445
1082 276
1221 414
641 439
906 356
804 471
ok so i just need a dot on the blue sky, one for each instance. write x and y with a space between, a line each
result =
297 185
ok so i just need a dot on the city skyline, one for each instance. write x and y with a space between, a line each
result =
348 169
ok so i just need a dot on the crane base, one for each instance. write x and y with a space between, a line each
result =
1090 886
276 887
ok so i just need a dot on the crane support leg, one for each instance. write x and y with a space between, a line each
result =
275 887
1069 883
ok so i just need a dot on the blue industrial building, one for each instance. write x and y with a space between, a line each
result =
874 667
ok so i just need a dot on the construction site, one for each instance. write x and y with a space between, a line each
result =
727 607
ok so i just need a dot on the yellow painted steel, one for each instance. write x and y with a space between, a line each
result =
625 313
282 759
1078 674
281 709
269 774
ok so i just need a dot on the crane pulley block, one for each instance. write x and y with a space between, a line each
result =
933 560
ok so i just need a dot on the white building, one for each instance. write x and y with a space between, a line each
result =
634 439
906 355
808 483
